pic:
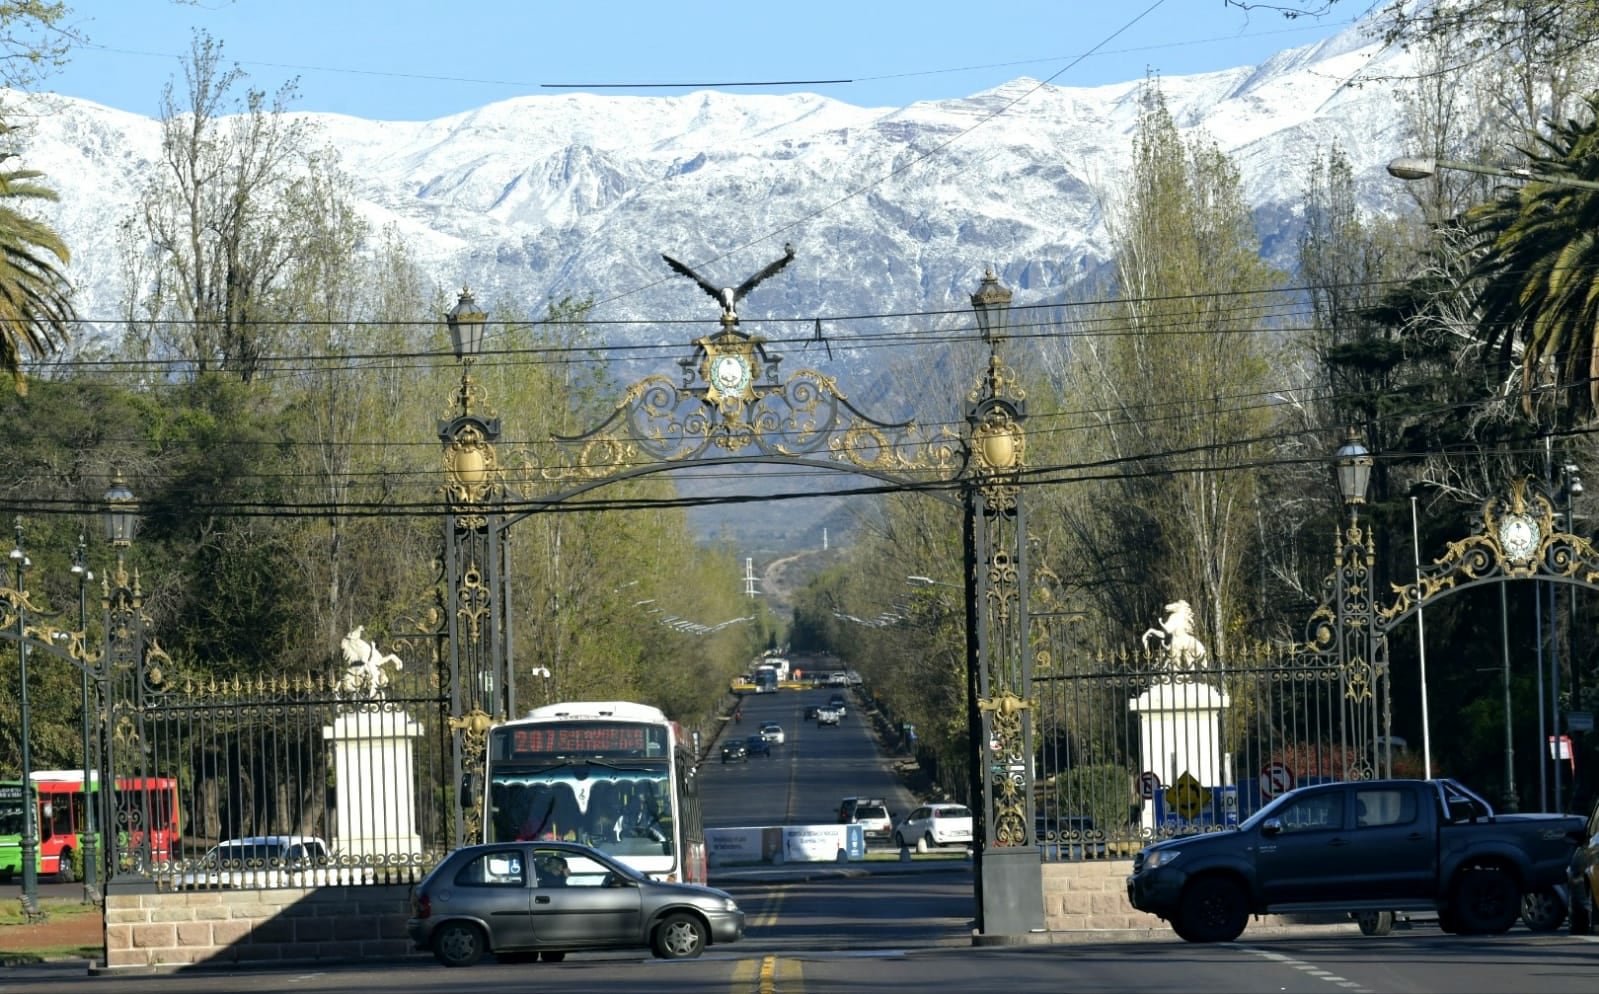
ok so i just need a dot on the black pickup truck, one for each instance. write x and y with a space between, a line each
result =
1360 847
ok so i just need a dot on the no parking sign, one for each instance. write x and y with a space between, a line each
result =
1148 784
1275 779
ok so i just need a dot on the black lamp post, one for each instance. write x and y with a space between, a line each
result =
30 806
89 831
123 604
1357 636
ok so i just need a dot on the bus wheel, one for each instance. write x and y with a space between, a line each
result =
64 871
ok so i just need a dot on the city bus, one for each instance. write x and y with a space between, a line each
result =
614 775
65 813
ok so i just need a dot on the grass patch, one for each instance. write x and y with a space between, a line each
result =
73 931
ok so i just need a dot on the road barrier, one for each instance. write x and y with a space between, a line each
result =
779 844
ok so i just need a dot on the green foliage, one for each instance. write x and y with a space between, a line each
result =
35 309
1104 793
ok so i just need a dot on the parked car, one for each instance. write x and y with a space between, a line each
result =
551 898
1371 847
735 751
772 732
847 806
260 861
756 745
1582 878
933 826
875 821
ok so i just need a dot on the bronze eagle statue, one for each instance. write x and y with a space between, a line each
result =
729 296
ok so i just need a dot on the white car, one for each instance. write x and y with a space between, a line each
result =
827 716
261 861
772 732
934 826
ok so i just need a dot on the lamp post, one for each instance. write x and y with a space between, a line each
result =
999 715
30 807
122 602
1571 488
1356 617
478 627
1413 168
90 830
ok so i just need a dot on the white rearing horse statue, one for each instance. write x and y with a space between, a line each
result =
1184 651
363 665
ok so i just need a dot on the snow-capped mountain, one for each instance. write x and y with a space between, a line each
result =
891 210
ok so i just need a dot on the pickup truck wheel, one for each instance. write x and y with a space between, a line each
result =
1543 910
1375 922
1213 910
1485 901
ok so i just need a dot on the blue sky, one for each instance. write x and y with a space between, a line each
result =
414 60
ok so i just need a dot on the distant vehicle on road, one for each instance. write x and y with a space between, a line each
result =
551 898
756 745
828 717
876 825
735 751
933 826
772 732
1365 847
260 861
837 703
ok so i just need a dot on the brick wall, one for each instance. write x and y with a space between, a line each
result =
144 930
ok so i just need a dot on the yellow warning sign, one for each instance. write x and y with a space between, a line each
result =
1188 797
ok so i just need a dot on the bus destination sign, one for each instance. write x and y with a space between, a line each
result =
586 739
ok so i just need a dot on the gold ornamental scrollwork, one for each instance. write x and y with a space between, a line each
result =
731 401
471 467
1004 713
1524 515
474 730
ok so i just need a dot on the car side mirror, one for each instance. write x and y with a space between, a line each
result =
1271 826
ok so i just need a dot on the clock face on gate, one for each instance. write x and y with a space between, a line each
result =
1518 536
730 374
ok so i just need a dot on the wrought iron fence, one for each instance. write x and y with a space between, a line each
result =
278 782
1130 750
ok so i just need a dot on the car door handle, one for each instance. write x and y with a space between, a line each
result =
1414 837
541 899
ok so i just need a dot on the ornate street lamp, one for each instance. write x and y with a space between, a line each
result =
466 323
122 667
992 304
998 655
1352 464
30 807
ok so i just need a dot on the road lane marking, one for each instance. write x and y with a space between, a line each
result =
768 916
745 972
1310 969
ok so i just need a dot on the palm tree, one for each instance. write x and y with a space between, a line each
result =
1536 280
35 309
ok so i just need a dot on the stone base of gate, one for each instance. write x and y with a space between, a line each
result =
1087 902
163 931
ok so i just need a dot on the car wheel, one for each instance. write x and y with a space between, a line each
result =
64 872
1543 910
458 944
553 957
899 841
1579 906
679 936
1485 901
924 843
1375 922
1448 922
1213 910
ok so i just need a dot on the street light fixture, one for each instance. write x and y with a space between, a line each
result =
1412 168
466 323
992 304
1353 462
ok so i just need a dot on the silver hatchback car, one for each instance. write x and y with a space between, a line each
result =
551 898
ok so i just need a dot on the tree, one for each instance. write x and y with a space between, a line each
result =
35 311
212 240
1536 282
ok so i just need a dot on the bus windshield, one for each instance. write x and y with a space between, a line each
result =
602 782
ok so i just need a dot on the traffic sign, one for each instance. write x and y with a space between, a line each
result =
1148 784
1188 796
1276 778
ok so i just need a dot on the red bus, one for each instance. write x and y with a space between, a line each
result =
65 813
